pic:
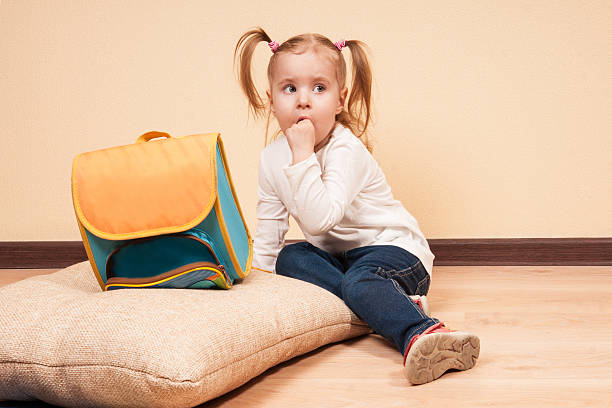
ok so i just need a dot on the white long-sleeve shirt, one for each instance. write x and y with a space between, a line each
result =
339 197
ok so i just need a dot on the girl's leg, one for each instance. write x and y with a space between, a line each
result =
377 286
306 262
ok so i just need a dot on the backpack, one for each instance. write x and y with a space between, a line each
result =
161 214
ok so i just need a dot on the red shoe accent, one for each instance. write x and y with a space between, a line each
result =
418 302
436 328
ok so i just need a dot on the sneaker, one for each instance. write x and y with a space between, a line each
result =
437 350
422 302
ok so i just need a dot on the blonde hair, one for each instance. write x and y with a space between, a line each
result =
356 116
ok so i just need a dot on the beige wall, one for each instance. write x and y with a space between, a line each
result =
493 118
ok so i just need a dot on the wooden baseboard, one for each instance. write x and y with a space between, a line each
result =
528 251
40 254
523 251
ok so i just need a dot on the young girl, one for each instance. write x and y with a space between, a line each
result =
362 245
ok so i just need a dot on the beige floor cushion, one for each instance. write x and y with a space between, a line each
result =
65 342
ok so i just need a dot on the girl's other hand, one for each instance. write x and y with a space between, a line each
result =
301 139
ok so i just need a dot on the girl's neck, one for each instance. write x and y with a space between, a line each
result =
324 142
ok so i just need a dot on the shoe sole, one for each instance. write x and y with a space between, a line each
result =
434 354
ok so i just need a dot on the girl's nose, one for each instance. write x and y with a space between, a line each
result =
303 99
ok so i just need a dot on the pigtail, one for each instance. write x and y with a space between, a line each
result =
358 114
244 54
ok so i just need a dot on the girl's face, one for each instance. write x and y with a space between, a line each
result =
305 86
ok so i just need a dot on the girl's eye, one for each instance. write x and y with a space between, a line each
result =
289 89
319 88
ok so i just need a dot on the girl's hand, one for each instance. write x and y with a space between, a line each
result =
301 138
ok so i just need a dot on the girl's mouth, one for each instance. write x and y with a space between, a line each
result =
301 118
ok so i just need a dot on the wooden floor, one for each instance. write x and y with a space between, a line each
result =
546 341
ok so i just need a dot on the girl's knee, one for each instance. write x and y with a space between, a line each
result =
289 256
352 290
292 250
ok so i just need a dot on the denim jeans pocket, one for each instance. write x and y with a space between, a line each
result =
414 280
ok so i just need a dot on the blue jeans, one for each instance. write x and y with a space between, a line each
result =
374 282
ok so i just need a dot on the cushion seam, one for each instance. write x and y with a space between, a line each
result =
6 362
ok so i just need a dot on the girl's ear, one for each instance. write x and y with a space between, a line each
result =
341 100
270 100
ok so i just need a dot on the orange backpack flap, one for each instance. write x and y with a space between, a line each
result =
147 188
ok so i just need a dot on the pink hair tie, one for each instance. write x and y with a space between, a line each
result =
273 46
340 44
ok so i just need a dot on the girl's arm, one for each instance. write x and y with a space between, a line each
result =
321 197
272 225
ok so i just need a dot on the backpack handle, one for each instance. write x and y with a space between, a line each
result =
152 135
